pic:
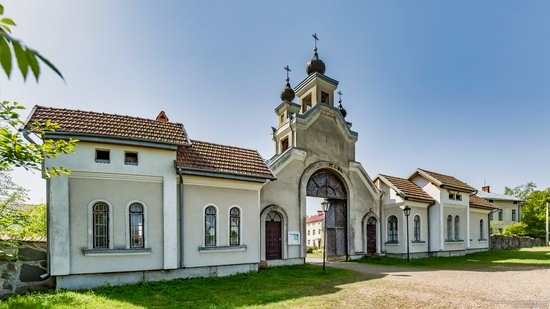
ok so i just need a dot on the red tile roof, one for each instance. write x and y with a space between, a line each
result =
223 159
76 122
315 218
407 187
478 201
450 181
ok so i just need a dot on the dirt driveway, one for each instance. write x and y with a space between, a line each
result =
497 287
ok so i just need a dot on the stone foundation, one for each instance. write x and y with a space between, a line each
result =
22 265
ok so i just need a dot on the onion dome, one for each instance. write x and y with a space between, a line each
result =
341 109
315 65
287 94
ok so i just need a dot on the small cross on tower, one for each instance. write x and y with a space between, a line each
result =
315 38
339 96
288 70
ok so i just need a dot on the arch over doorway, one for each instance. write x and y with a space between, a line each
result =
327 183
274 222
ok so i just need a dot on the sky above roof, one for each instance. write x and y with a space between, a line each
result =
456 87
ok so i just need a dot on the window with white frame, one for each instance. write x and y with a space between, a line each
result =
514 215
457 228
136 219
100 219
234 226
210 226
449 227
500 215
417 232
392 229
481 230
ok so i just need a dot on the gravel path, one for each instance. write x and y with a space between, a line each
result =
497 287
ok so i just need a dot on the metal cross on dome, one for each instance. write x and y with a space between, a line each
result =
315 38
288 70
339 96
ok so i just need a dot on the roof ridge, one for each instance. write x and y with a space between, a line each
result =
103 113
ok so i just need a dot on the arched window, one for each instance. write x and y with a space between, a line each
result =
449 227
210 226
137 228
392 229
481 229
234 227
101 225
417 229
457 228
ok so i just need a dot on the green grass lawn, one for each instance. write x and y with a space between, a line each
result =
538 256
291 285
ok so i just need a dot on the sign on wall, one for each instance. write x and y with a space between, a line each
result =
294 238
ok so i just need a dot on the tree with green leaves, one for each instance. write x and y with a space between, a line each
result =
533 207
15 150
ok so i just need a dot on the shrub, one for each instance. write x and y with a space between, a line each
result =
517 229
309 249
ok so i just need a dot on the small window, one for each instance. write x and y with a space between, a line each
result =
235 226
284 144
491 215
500 215
392 229
101 225
308 232
136 226
449 227
319 231
417 230
324 97
514 215
131 158
515 202
459 197
102 155
309 242
451 196
481 230
210 226
306 103
313 232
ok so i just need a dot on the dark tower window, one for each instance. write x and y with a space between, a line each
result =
306 103
324 97
284 144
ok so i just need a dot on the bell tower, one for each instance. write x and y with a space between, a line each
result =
316 88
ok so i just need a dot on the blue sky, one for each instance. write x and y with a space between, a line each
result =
459 87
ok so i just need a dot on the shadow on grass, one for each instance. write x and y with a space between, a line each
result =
266 287
494 260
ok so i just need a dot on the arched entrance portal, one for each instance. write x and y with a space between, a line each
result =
371 235
273 236
327 184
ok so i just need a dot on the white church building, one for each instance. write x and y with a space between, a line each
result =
145 202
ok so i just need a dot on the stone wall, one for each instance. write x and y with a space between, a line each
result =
505 242
21 265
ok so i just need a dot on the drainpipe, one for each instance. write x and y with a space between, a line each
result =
181 219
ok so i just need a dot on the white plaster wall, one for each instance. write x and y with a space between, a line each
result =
475 216
118 194
437 232
223 194
507 207
152 162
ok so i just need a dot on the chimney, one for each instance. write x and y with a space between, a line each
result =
486 189
162 117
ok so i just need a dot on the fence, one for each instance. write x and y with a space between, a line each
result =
22 263
505 242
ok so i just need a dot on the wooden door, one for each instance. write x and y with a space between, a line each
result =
273 240
336 222
371 236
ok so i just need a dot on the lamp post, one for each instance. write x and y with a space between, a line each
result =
407 212
325 204
547 224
